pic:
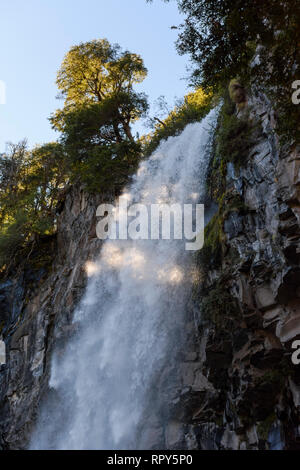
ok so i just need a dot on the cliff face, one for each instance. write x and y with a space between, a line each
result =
239 388
36 311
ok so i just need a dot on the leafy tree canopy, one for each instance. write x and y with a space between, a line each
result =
98 72
30 182
96 81
223 36
96 146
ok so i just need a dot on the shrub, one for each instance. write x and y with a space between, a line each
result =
211 253
30 184
107 167
219 306
234 137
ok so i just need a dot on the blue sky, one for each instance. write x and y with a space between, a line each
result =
36 34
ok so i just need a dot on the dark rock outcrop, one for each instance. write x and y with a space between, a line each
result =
36 311
238 388
242 387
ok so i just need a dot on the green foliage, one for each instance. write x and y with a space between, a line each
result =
12 236
97 123
106 167
193 108
96 80
98 72
232 141
219 306
95 70
211 254
223 37
234 138
30 184
96 146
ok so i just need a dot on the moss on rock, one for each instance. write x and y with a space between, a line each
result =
219 306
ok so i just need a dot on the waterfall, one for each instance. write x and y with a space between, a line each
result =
131 318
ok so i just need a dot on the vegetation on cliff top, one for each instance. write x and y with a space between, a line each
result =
257 41
96 81
192 108
30 182
96 146
225 39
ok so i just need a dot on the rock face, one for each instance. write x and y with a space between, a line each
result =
241 387
36 311
238 388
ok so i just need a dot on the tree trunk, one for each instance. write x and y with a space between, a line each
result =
117 133
127 131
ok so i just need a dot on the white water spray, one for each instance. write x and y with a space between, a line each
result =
131 317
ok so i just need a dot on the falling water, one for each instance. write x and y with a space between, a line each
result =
131 317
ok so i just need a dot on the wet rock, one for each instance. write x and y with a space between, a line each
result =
230 440
233 225
152 436
235 387
253 398
208 436
192 377
264 298
175 435
36 310
289 328
275 437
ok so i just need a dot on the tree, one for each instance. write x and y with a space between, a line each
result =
96 81
29 190
219 34
96 146
12 172
223 36
98 72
